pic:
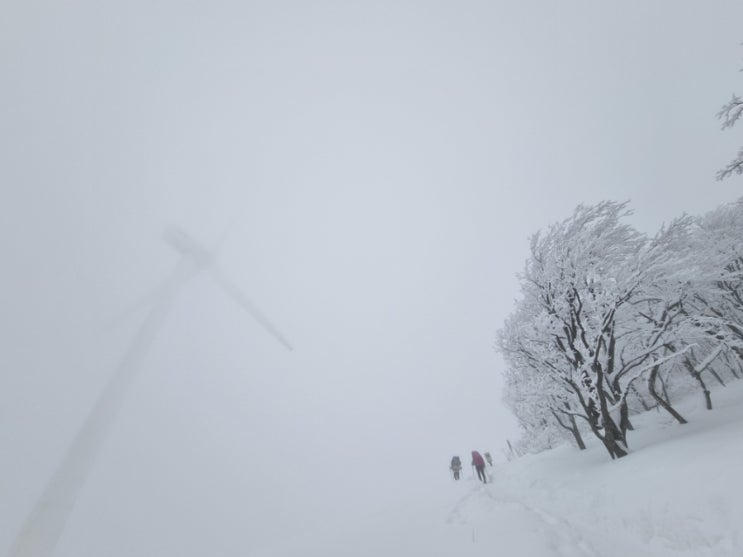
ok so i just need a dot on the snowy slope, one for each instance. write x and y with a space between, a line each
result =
676 494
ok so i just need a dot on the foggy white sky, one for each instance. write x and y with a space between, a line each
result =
383 164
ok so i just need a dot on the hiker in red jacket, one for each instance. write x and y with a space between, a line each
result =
479 463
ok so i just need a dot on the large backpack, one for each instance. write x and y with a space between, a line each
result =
456 463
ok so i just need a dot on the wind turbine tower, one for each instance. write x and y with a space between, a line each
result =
45 523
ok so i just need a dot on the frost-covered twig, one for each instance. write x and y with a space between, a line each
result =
735 166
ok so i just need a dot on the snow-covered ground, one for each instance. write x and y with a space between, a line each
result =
677 493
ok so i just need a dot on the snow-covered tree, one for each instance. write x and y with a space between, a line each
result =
610 315
539 431
720 239
659 306
714 313
540 403
585 284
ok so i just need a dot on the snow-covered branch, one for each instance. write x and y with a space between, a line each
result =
730 112
735 166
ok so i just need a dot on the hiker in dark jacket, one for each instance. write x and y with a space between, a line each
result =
455 466
479 463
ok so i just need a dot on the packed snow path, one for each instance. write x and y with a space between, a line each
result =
478 523
496 522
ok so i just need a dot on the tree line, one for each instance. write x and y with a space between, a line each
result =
612 321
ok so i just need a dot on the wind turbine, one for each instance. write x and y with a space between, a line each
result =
45 523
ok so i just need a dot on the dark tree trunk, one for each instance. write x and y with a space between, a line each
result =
645 405
731 366
666 396
625 424
663 403
609 435
572 427
698 377
576 433
716 376
513 452
613 438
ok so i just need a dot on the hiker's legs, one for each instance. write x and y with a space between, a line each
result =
481 473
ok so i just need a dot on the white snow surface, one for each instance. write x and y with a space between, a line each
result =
677 493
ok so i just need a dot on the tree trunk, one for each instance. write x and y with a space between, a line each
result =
666 406
593 415
576 433
716 376
513 453
644 404
732 367
613 439
572 428
625 424
698 377
666 396
735 373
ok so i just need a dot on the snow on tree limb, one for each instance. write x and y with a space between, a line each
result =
730 112
735 166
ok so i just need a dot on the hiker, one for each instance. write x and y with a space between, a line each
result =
456 466
489 459
479 463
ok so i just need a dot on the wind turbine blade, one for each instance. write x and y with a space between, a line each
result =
44 525
234 292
